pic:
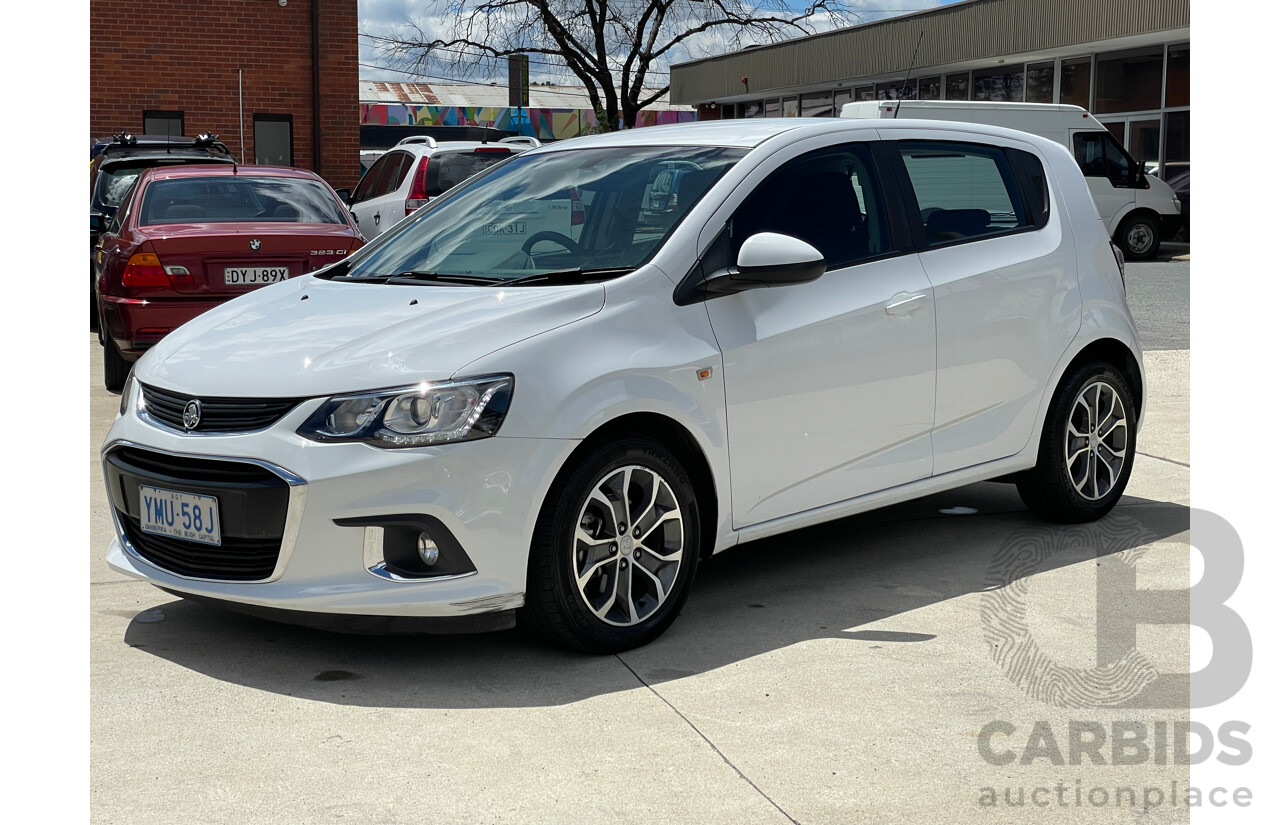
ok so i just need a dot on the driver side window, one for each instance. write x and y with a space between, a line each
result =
829 198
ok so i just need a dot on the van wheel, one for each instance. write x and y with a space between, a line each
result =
614 549
114 368
1139 237
1086 449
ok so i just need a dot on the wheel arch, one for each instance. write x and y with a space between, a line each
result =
675 437
1115 352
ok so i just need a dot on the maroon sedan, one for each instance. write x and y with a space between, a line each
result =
188 238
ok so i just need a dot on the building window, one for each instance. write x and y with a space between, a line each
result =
753 109
998 84
1075 81
816 105
273 140
156 122
1177 137
864 93
1178 76
1129 81
1040 83
791 107
958 86
927 88
842 97
772 108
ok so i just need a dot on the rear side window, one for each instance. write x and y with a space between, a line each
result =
238 199
963 190
446 170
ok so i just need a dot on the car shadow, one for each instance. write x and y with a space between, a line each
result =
824 582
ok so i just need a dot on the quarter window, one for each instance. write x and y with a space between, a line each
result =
963 191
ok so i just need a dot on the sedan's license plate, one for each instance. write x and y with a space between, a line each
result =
181 515
254 275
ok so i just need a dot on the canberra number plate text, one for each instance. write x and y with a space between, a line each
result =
181 515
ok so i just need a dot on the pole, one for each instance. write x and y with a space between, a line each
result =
240 72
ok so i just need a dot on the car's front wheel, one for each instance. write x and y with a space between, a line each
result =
615 548
1086 448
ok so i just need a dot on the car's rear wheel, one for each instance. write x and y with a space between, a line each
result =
615 548
1086 449
114 368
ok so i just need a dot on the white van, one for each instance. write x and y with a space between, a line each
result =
1138 210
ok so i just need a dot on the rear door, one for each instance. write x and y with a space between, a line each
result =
1003 269
375 203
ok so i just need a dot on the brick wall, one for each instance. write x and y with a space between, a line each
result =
178 55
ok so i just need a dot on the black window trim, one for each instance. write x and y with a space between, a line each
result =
912 206
889 179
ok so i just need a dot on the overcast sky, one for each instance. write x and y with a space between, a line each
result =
384 17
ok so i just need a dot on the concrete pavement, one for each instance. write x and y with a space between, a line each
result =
838 674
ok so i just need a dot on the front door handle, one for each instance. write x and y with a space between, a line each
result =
377 218
905 303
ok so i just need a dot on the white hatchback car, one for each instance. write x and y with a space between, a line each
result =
419 168
537 398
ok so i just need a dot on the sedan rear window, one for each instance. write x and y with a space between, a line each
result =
238 199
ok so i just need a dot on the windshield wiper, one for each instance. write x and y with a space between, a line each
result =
419 277
577 275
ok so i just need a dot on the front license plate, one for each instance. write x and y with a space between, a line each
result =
181 515
254 275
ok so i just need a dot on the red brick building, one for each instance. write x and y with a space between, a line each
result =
283 73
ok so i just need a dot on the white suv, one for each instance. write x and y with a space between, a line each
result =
533 399
418 169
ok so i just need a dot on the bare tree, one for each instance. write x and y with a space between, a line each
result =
614 47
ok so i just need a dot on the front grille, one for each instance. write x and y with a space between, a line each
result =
233 560
217 415
253 504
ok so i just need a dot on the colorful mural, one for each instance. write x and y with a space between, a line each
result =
544 124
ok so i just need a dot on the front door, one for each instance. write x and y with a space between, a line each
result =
829 385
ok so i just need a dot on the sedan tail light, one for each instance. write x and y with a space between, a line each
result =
417 189
144 269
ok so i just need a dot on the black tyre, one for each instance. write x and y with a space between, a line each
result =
1086 449
114 368
1139 237
615 548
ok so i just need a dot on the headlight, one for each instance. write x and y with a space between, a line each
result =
416 416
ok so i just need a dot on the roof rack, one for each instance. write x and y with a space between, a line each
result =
125 141
427 139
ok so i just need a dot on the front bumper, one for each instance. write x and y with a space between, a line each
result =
486 494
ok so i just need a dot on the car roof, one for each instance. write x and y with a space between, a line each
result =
752 132
212 170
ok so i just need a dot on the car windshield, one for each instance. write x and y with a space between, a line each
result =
582 210
239 198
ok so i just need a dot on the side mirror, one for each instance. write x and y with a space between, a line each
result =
344 195
768 259
98 222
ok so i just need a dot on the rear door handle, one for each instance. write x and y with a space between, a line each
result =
905 303
377 218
